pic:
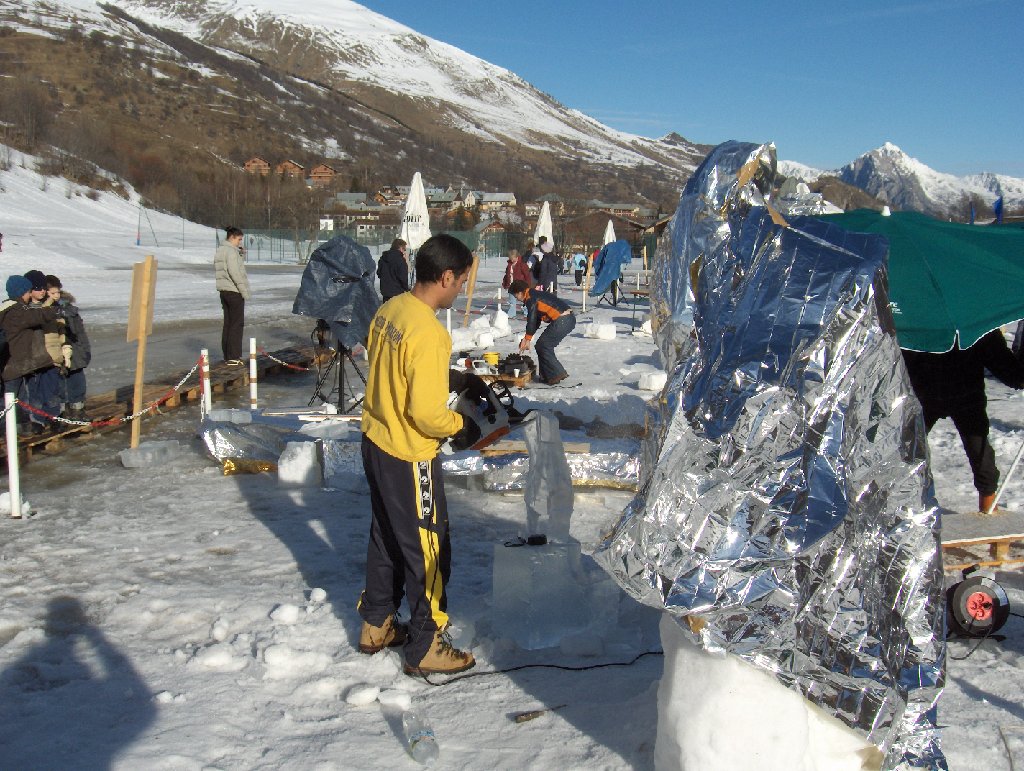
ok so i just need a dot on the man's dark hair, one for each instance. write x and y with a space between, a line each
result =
440 253
541 240
398 243
52 281
518 286
232 231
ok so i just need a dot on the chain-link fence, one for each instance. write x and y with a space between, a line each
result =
295 246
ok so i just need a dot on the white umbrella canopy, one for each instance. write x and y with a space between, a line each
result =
544 227
609 233
415 218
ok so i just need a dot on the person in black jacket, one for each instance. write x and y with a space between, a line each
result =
76 352
393 270
952 385
546 269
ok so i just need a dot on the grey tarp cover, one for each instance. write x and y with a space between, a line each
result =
337 286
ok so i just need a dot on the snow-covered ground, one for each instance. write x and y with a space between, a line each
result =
162 618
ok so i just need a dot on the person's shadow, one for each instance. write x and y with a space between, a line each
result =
72 700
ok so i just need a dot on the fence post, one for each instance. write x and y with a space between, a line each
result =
204 370
252 374
13 481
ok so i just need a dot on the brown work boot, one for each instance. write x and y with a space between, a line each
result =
390 634
985 501
442 658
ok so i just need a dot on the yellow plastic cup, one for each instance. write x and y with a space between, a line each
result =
491 357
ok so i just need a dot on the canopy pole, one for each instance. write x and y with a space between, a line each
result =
1006 479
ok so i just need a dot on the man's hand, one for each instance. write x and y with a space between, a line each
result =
466 437
524 345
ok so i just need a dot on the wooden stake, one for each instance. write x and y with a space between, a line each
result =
140 326
469 289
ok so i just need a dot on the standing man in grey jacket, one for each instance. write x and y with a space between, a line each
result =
233 285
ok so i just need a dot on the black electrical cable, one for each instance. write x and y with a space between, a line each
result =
565 667
976 645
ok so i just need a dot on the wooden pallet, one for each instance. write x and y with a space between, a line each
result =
509 380
997 532
515 446
116 404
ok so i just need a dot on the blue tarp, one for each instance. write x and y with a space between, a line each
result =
337 286
608 265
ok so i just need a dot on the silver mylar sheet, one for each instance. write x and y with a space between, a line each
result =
249 441
612 465
786 511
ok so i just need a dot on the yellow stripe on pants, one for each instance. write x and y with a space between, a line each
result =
429 543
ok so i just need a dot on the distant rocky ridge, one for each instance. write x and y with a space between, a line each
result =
904 183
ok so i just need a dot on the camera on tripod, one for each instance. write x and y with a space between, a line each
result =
337 290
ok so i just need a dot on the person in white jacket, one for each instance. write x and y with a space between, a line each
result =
233 285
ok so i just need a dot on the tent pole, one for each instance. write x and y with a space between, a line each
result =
1006 479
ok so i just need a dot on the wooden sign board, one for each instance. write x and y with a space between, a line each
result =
140 308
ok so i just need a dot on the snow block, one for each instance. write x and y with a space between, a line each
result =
500 323
230 416
717 711
484 340
599 331
653 381
300 466
151 453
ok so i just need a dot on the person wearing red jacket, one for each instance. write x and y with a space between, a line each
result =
515 270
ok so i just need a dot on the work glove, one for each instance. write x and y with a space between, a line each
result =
466 437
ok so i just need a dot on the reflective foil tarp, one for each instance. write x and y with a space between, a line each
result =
612 465
786 513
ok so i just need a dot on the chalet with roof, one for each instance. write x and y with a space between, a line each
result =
587 231
496 201
257 165
322 175
290 169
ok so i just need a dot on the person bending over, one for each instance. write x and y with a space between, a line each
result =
544 306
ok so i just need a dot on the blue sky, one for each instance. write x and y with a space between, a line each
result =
826 81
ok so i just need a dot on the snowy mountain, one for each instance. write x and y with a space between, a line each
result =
415 89
904 182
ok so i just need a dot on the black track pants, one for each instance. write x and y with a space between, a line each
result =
409 550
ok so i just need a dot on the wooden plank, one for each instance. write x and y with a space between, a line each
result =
511 446
512 380
117 404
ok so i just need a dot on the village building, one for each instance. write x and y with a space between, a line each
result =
322 175
290 169
257 165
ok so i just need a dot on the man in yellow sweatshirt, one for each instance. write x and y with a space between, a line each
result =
405 419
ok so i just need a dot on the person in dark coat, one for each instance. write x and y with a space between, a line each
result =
952 385
393 270
25 355
76 352
546 270
544 306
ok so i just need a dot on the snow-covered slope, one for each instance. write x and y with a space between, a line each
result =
343 42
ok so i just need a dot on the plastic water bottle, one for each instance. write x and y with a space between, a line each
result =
419 738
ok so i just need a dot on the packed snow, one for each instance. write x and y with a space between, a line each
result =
167 616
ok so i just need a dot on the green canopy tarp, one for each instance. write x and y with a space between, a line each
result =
946 279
